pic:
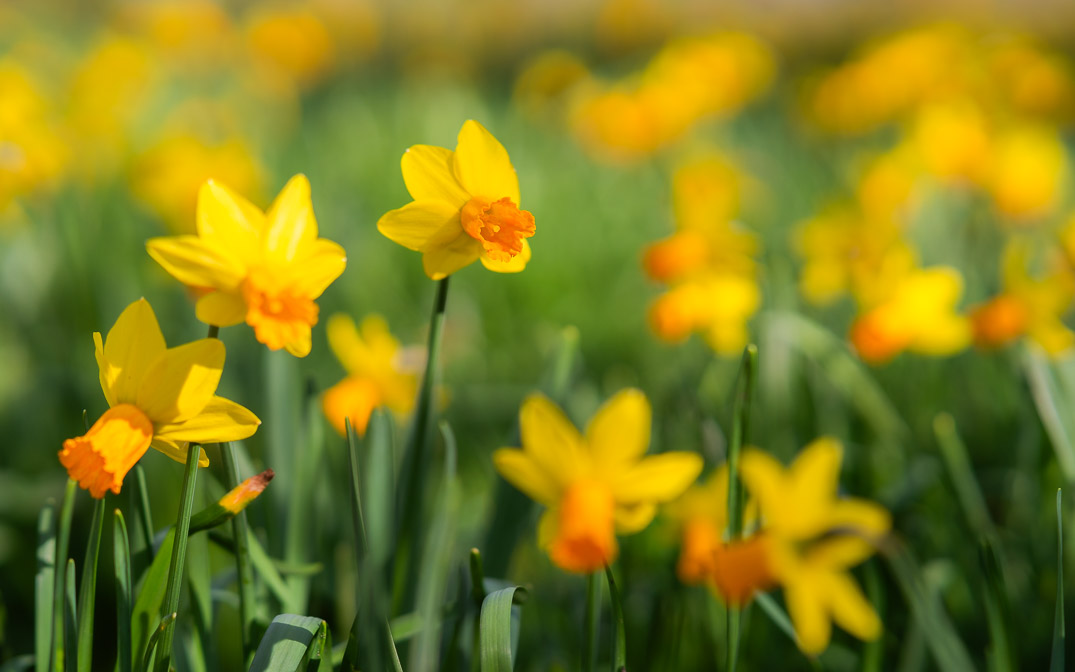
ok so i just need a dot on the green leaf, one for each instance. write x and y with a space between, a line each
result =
1000 654
121 558
88 593
70 620
266 568
292 644
243 564
44 582
147 607
499 628
151 646
740 432
619 637
592 623
1056 663
140 497
959 468
59 611
1050 398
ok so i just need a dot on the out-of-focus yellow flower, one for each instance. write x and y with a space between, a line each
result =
465 208
545 81
1033 81
354 26
952 137
376 373
265 268
185 32
706 191
886 188
1027 171
594 485
718 305
169 175
293 42
919 314
33 156
158 397
809 540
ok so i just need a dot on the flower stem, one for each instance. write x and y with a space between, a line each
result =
593 622
245 570
179 556
619 637
740 431
58 592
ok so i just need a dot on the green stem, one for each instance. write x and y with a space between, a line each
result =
142 495
179 556
245 569
58 592
740 431
619 637
593 622
88 594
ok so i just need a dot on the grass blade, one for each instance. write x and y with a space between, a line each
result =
243 566
592 623
619 638
292 643
70 620
1056 662
121 558
151 646
1000 654
141 496
1049 399
740 432
147 606
44 582
88 591
498 628
60 563
955 458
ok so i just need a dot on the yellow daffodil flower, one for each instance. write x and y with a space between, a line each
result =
376 373
158 397
264 268
1027 172
465 208
718 305
919 314
593 485
809 540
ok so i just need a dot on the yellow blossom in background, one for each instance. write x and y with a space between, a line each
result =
183 32
594 485
918 314
953 139
291 42
545 81
718 305
465 208
377 373
33 155
1033 81
264 268
810 538
158 397
886 188
1027 171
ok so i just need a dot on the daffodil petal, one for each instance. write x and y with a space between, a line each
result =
321 263
181 381
514 265
817 467
223 309
220 420
106 372
195 263
440 262
806 606
524 473
851 610
660 478
764 477
620 430
548 527
178 451
290 222
301 346
422 225
229 221
840 551
861 517
429 175
551 440
132 345
344 341
482 165
634 518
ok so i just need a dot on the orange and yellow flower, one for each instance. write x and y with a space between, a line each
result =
264 268
465 208
158 397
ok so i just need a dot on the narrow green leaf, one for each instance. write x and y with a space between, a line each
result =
619 637
60 563
1050 399
243 565
151 646
959 468
290 643
70 620
88 591
121 557
266 569
477 577
1056 662
140 495
776 614
740 432
498 626
1000 656
378 477
44 582
592 625
146 613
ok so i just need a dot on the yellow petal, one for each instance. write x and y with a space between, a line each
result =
764 477
620 430
548 527
440 262
320 264
422 225
105 371
195 263
222 309
132 345
220 420
178 451
660 478
944 335
181 381
816 470
840 551
482 165
851 610
301 346
522 471
229 221
806 607
861 517
516 264
428 174
551 440
634 518
290 222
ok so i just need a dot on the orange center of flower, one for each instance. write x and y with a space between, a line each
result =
742 568
586 538
701 541
352 398
999 321
100 459
500 226
879 335
278 312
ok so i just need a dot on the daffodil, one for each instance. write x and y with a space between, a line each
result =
810 538
718 305
465 208
377 373
158 397
596 484
266 269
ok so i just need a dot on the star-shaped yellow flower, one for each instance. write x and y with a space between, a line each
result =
465 208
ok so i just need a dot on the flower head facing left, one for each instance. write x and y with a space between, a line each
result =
465 207
158 397
594 484
264 268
